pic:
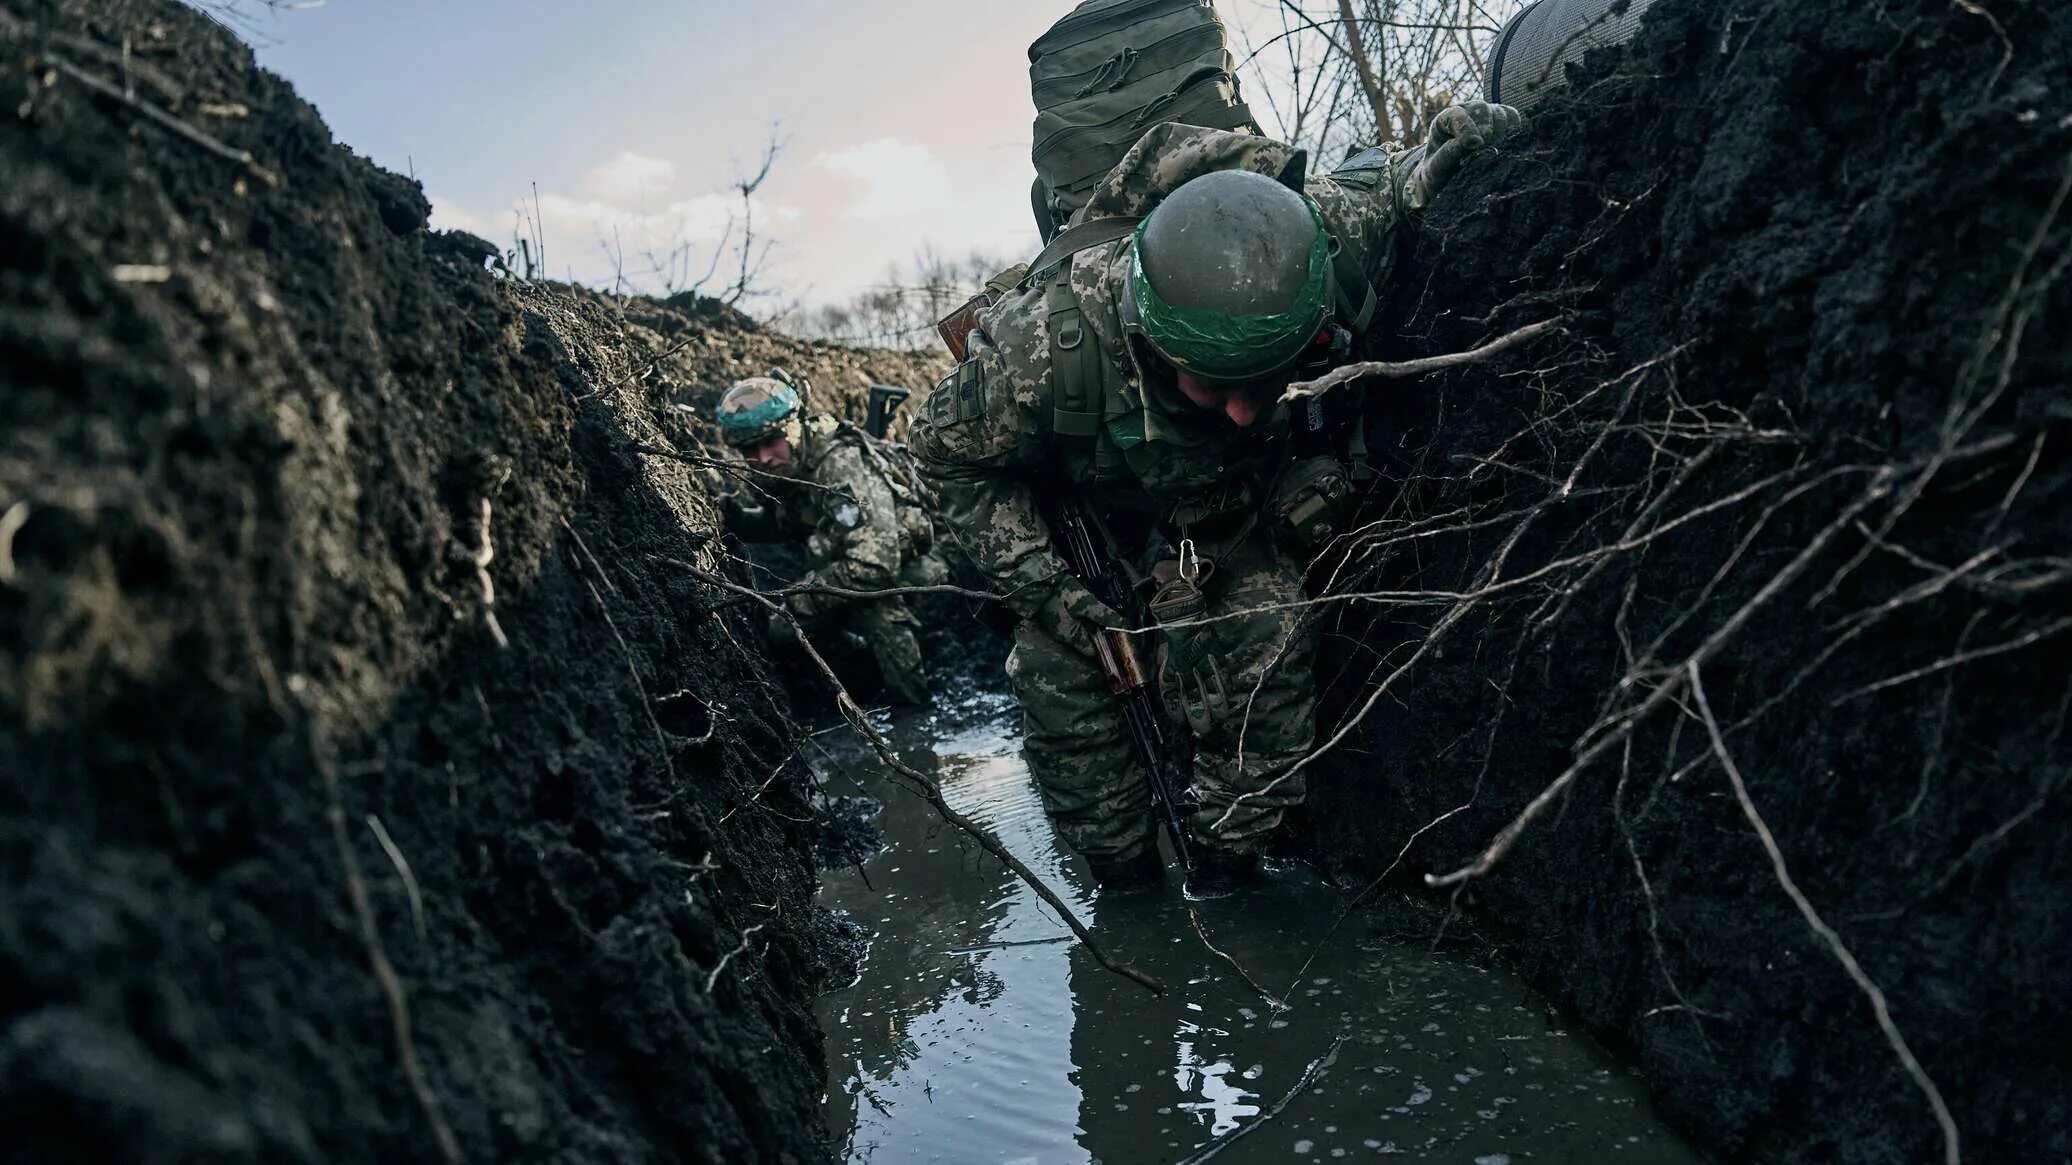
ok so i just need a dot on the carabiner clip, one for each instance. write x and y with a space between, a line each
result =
1190 562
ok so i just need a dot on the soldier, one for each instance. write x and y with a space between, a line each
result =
1144 371
821 481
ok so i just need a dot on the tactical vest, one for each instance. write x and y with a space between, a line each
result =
1093 423
909 495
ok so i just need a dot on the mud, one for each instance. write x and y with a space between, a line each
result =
337 635
1821 247
339 631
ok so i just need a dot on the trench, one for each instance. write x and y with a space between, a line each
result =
977 1031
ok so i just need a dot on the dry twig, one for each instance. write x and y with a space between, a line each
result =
485 553
854 714
1302 1083
1819 926
164 120
647 707
402 864
377 954
1399 369
11 523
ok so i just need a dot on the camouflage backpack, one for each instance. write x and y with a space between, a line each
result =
1110 70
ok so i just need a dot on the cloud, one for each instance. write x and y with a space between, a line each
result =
610 227
898 179
629 177
448 215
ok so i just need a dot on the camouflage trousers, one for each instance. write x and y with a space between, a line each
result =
889 632
1241 674
888 628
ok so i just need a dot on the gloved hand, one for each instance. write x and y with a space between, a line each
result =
731 504
1310 500
1457 133
811 606
1071 614
747 514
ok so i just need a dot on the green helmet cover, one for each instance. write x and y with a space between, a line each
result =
755 410
1235 346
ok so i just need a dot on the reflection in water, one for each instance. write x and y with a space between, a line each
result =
975 1034
1223 1102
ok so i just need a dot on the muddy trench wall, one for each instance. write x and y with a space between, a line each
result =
1806 427
374 787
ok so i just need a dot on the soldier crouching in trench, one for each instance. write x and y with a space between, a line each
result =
825 483
1142 374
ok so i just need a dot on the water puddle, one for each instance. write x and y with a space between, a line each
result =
977 1032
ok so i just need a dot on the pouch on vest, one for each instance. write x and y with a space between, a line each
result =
1189 675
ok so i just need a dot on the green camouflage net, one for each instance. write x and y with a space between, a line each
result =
1221 346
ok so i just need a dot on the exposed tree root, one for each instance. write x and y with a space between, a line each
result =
1826 933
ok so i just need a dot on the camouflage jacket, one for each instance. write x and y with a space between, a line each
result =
986 438
844 500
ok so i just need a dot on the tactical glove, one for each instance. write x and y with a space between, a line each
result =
813 606
1458 132
809 607
748 516
1071 614
1310 501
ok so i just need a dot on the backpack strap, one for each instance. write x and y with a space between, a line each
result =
1075 371
1081 235
1356 298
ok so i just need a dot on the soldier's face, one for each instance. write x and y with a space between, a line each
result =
773 455
1241 404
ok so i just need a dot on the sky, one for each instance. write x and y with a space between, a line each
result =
905 123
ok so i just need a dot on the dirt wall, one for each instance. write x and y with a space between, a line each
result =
374 789
1805 427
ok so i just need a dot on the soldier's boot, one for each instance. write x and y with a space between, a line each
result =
901 668
1219 873
888 629
1128 875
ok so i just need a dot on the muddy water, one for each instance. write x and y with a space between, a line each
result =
977 1032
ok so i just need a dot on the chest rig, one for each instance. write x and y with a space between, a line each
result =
1103 431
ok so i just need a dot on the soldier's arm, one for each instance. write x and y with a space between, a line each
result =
751 515
1373 191
862 530
1362 211
977 439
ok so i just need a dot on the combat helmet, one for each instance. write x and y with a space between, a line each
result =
1230 276
754 410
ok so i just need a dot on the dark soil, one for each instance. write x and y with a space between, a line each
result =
1822 247
259 431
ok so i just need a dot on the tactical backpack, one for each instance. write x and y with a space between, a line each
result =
1108 71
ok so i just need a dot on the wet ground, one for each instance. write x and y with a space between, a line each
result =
978 1032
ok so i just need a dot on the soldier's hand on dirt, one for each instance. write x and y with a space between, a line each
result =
1072 614
736 510
809 604
1457 133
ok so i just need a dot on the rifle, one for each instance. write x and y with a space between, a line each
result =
885 400
1123 665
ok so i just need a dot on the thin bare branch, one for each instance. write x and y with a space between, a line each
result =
1399 369
1826 933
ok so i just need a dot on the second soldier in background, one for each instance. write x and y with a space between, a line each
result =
820 481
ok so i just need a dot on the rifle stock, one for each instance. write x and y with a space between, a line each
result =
1122 664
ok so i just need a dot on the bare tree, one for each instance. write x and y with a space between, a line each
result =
242 16
900 311
1339 74
751 253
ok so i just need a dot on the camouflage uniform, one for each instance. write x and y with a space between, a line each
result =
989 440
864 529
